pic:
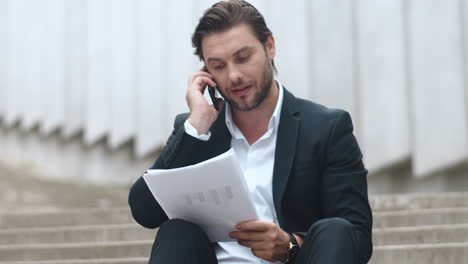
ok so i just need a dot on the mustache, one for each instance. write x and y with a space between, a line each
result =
240 84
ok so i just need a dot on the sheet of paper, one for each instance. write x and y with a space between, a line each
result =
212 194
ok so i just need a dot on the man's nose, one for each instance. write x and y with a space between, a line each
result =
235 75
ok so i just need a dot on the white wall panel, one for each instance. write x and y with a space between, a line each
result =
22 28
331 58
120 68
2 139
41 44
11 150
118 166
464 16
13 66
149 114
3 58
383 91
26 148
123 51
177 58
34 33
98 93
33 147
292 44
76 74
70 163
437 85
53 75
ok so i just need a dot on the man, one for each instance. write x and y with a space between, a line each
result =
300 160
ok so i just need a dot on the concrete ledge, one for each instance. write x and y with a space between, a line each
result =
448 253
418 201
67 218
421 217
84 261
24 188
421 235
38 252
76 234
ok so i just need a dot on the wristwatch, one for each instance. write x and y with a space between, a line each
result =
293 249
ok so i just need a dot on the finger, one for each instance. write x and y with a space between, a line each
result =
255 225
252 244
201 73
197 79
247 236
202 81
207 74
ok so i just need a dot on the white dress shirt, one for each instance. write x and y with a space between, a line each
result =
256 162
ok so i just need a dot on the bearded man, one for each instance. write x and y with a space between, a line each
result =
301 161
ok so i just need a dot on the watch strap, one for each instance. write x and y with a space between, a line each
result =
293 239
293 248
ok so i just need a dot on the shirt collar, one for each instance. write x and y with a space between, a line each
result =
274 120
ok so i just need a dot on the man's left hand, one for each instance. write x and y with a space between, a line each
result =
267 240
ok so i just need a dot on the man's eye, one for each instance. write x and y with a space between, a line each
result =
218 67
243 59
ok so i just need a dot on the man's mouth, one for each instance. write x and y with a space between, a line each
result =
243 90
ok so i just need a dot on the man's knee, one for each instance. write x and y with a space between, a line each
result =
181 241
331 240
335 226
178 228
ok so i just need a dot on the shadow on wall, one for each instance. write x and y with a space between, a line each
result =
69 158
399 179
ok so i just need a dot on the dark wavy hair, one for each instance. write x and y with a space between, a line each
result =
223 16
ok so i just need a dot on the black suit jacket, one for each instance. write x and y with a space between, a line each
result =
318 170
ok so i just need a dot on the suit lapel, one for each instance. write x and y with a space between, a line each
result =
221 137
285 149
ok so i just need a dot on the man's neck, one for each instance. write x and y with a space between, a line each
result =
254 123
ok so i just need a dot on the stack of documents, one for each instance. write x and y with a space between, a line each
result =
212 194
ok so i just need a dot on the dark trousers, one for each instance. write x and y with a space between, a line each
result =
329 241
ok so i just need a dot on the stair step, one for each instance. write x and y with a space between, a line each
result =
67 218
84 261
98 250
418 201
421 217
24 187
446 253
421 235
76 234
76 217
132 232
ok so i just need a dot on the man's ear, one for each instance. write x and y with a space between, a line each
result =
270 47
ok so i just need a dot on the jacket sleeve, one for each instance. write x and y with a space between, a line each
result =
344 183
144 207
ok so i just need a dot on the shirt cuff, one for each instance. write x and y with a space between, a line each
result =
189 129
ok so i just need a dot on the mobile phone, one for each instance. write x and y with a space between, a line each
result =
212 93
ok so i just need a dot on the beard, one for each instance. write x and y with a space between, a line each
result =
261 94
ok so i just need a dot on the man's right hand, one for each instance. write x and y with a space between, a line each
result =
202 114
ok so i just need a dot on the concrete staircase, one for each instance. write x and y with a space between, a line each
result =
418 228
421 228
74 236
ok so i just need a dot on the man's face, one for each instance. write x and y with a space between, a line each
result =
241 66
